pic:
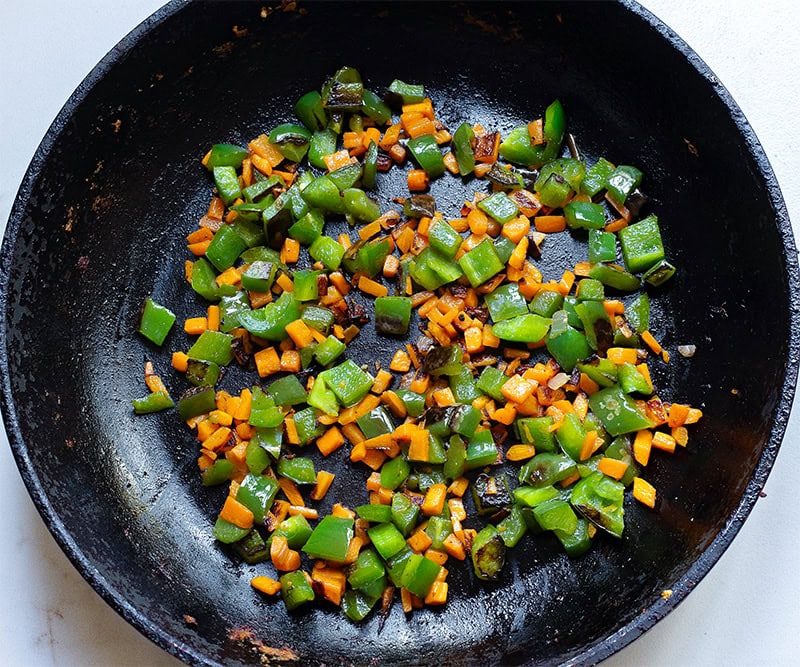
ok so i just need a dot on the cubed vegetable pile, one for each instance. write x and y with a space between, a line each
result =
525 406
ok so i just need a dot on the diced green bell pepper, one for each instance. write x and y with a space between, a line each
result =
329 350
213 346
270 322
481 263
528 328
226 155
328 251
622 181
584 215
506 302
462 147
488 554
257 494
425 151
153 402
227 184
348 382
617 412
310 111
641 244
330 539
602 246
600 499
296 589
410 93
155 322
499 207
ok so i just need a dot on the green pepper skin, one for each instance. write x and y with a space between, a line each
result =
296 589
600 499
617 412
488 554
257 494
153 402
270 321
226 155
310 111
330 539
425 151
156 322
462 147
527 328
641 243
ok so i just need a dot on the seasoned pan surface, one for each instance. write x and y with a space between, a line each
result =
71 363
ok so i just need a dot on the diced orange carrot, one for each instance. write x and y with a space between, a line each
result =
612 467
266 585
419 541
369 286
642 444
550 224
267 361
520 452
434 500
300 333
644 492
330 441
291 492
517 389
283 558
194 326
180 361
622 355
437 594
417 181
663 441
458 487
234 512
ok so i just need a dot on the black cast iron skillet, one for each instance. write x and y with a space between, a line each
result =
116 184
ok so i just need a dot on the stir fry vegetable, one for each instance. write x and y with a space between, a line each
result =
526 405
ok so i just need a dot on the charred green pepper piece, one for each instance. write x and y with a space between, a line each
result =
546 469
491 495
599 499
488 554
344 91
202 373
392 315
310 111
445 360
196 401
252 548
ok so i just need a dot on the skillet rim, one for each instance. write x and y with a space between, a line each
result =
603 649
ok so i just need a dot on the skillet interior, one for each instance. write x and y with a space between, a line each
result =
128 506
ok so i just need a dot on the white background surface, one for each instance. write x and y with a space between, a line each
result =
745 612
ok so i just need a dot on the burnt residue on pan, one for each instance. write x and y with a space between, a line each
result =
116 184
